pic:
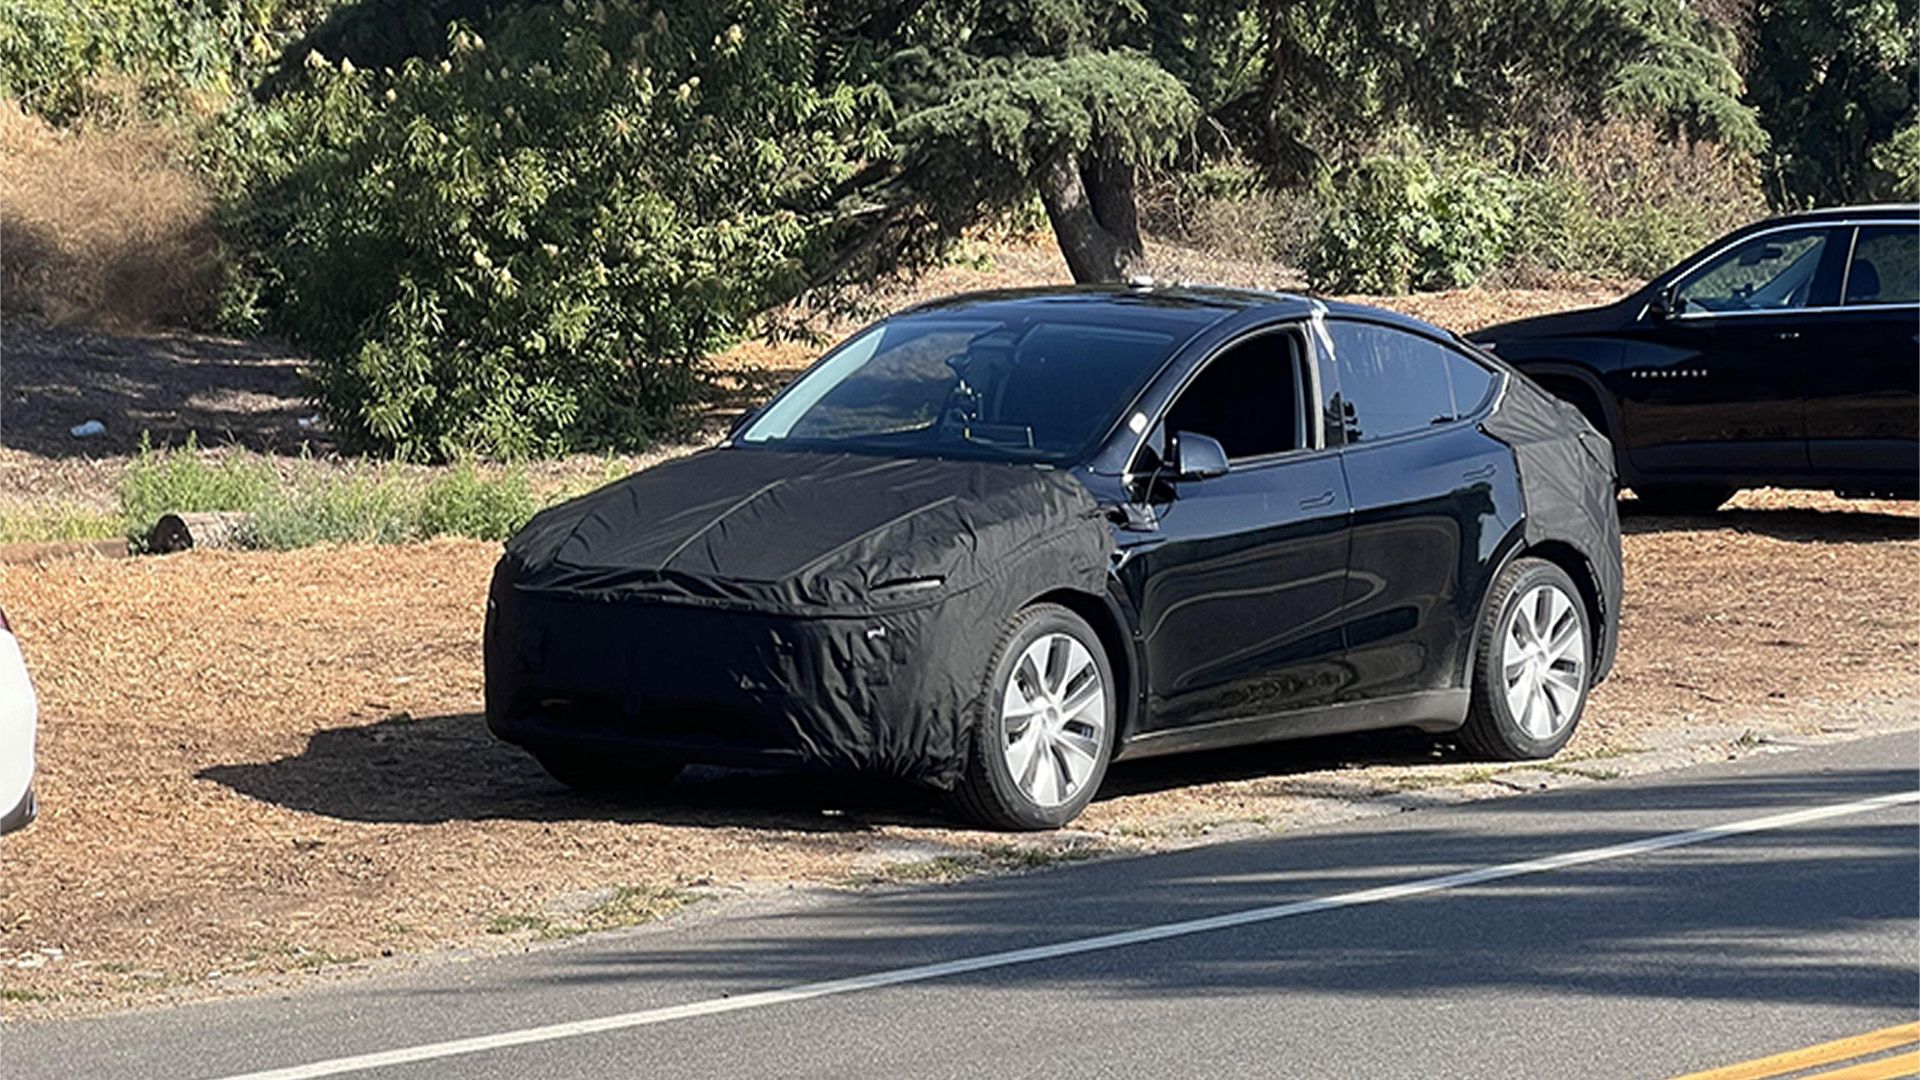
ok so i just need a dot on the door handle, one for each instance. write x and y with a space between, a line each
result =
1484 472
1325 498
1787 335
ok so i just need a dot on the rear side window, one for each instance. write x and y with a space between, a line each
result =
1885 268
1393 382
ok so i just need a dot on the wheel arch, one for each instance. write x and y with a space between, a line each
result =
1582 389
1108 620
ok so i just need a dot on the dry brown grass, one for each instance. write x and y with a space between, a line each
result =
101 226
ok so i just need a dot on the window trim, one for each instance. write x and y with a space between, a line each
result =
1307 393
1486 405
1854 224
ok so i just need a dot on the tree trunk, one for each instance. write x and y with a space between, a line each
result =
1094 217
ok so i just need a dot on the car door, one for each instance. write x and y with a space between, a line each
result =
1238 586
1433 500
1715 386
1862 364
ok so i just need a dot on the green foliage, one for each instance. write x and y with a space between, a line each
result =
160 482
994 127
59 521
463 502
1898 160
316 503
1402 220
59 58
512 228
1303 89
1834 82
530 246
1611 201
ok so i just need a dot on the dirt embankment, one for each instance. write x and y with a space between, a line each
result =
257 764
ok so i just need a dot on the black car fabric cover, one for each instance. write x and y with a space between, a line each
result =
1567 486
834 611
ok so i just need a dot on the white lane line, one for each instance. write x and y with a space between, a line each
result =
876 980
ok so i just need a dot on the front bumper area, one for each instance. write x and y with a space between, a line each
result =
834 694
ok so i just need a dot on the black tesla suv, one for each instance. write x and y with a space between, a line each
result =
1786 354
997 541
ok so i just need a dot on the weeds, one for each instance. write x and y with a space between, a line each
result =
313 503
44 524
630 905
991 859
160 482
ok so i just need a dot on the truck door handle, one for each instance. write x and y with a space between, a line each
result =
1787 335
1325 498
1484 472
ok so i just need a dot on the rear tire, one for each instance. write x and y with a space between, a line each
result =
610 773
1044 731
1532 653
1682 499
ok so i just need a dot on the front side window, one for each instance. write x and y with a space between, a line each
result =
1774 272
1393 382
1017 386
1885 268
1248 398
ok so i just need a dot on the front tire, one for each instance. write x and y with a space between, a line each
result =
1531 659
1044 732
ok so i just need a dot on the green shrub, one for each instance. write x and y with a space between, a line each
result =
530 246
1610 201
1621 201
462 502
1399 221
164 481
62 59
40 524
369 507
315 502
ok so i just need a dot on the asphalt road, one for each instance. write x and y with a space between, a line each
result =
1585 932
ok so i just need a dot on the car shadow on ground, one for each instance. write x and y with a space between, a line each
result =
450 768
1793 524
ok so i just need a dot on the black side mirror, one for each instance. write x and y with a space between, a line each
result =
1197 457
1666 303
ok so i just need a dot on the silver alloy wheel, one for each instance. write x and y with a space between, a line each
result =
1053 717
1544 661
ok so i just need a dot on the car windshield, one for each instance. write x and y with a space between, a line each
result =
1017 386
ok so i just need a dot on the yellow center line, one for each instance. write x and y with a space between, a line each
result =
1839 1050
1898 1065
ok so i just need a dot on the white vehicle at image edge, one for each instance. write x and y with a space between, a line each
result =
19 715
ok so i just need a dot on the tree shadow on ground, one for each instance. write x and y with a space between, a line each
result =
166 385
1770 925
